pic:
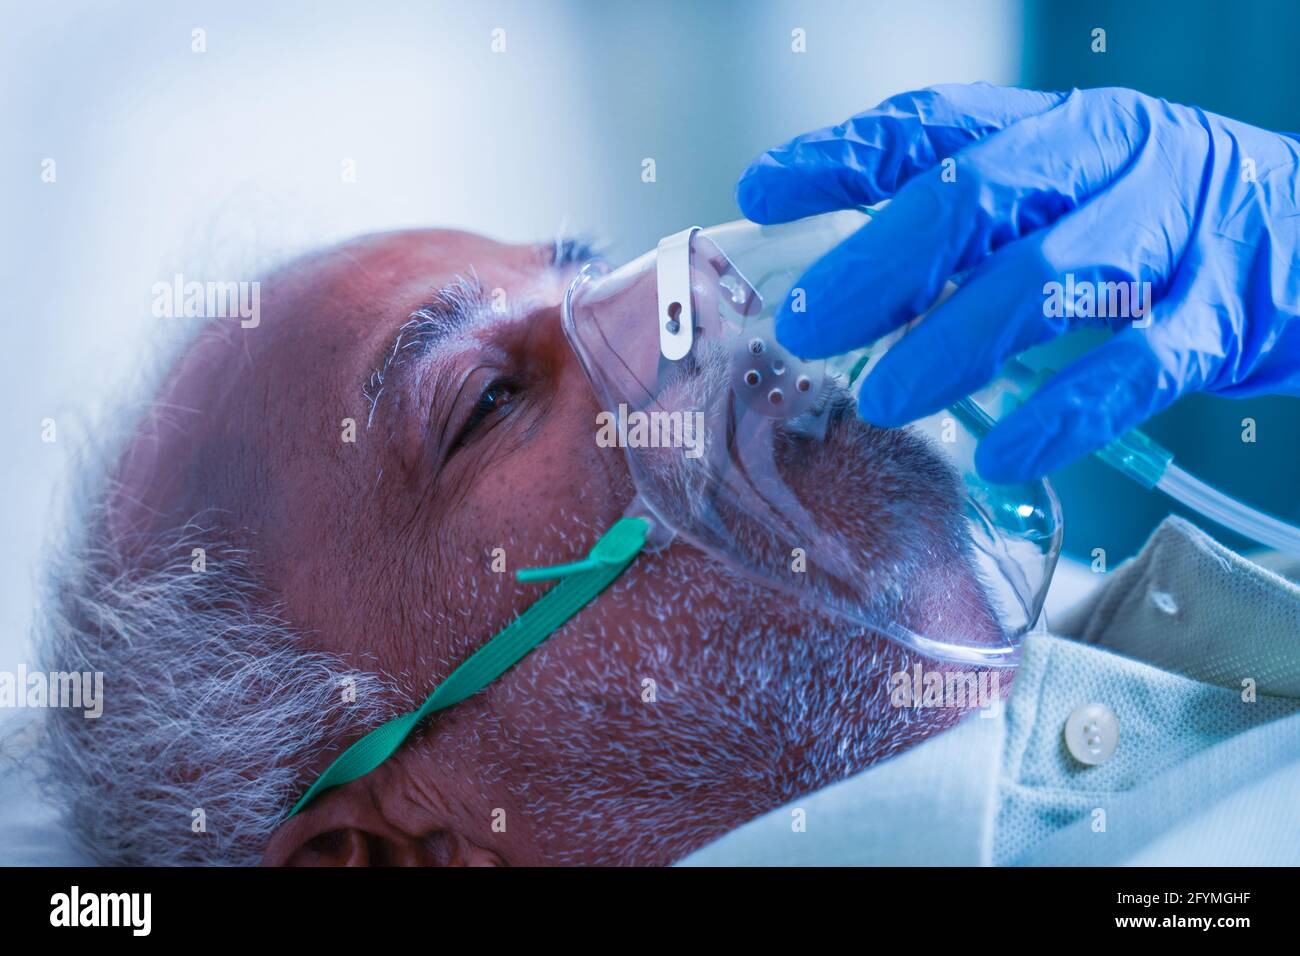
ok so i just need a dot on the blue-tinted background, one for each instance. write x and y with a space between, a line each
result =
1238 59
216 163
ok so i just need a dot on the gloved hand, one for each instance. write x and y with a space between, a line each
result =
1024 189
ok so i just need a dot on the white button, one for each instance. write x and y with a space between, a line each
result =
1092 734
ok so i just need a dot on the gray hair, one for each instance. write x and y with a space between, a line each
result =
211 703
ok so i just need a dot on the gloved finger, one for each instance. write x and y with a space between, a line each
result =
869 157
1272 362
847 298
1001 189
1095 399
1259 357
1084 270
960 346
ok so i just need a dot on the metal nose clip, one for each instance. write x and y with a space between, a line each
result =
692 272
673 277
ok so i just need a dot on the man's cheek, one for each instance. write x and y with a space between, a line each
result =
564 473
525 513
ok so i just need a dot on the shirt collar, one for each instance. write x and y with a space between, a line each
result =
1190 606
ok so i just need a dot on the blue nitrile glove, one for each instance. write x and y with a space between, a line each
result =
1025 189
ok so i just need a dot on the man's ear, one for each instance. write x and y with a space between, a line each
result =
347 827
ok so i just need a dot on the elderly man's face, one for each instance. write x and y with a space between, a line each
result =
680 703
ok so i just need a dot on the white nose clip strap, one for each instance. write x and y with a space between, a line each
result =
676 314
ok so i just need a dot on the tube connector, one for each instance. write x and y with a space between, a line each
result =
1137 456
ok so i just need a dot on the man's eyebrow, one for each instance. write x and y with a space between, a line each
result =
452 308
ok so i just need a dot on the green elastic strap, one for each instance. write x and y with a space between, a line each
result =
580 582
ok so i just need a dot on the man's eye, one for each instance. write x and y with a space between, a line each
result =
497 396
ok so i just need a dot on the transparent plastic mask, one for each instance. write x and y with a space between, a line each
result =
759 458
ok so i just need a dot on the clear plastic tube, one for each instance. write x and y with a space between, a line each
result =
1151 466
1229 512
